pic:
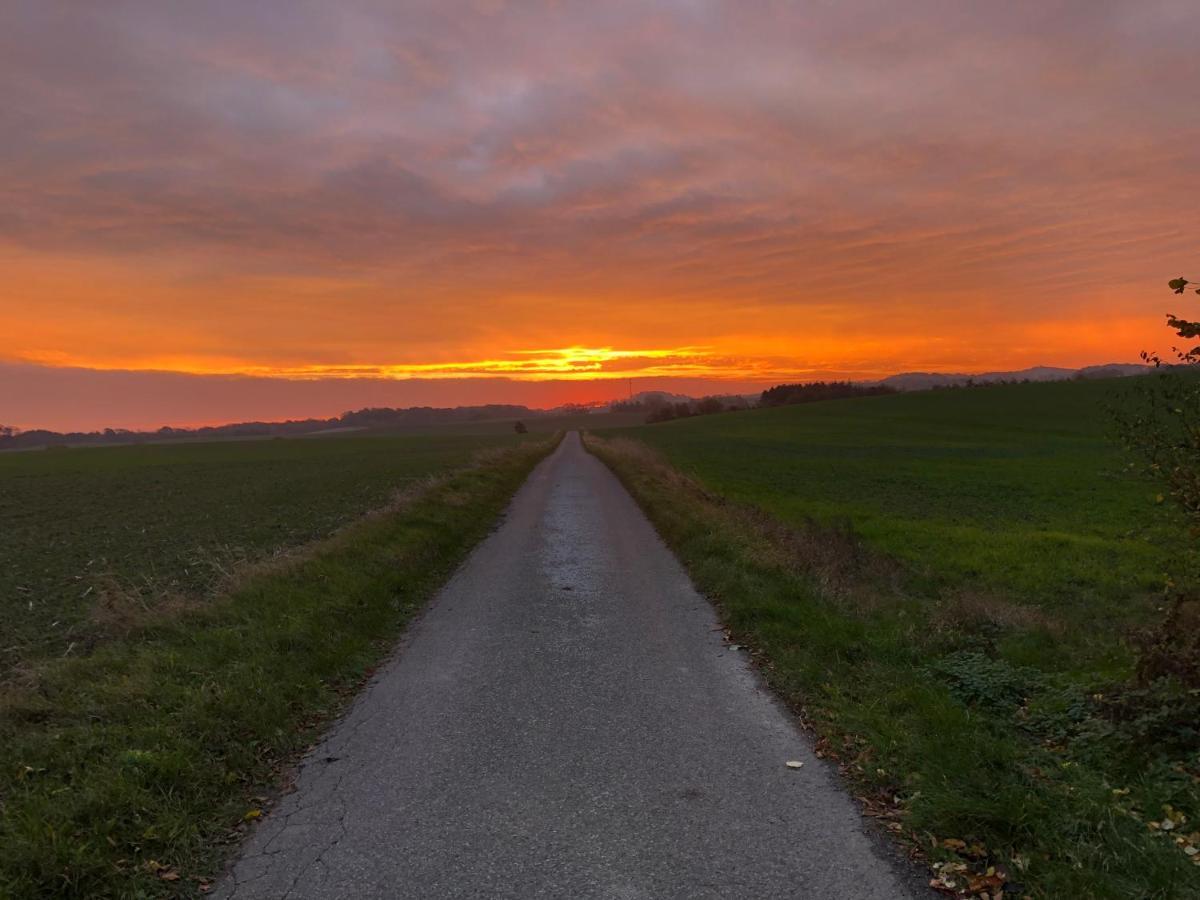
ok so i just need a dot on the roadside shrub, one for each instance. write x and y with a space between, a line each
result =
1162 426
1160 719
1172 650
1058 715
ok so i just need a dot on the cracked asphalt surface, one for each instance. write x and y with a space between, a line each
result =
565 720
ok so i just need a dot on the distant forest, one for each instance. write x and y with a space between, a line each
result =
658 406
785 394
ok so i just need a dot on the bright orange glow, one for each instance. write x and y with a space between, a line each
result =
566 363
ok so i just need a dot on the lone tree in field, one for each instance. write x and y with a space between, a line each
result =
520 428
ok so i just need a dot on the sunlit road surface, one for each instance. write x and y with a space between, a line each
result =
565 721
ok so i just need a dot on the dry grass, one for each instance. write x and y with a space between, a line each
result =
968 609
842 566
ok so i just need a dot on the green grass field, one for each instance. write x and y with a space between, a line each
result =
1018 493
129 764
947 583
89 527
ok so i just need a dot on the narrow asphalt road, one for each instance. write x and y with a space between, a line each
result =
565 721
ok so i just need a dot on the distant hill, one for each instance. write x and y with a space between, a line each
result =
1112 370
923 381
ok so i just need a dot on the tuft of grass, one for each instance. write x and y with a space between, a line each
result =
966 713
125 772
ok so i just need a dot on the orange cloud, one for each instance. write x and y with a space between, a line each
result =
750 192
566 363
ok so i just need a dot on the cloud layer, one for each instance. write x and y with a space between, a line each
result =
860 185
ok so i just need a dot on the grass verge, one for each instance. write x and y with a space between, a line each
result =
1009 782
126 773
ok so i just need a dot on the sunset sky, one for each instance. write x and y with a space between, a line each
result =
223 210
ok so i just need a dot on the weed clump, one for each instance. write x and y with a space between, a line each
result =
1172 650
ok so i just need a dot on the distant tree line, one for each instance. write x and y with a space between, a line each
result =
971 383
665 412
387 417
786 394
665 407
659 406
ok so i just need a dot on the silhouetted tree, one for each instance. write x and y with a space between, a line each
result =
520 428
1162 426
1165 428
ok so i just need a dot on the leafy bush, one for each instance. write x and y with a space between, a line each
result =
1160 719
993 684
